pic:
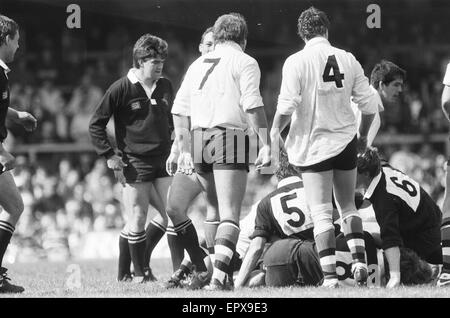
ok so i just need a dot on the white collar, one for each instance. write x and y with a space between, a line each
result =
132 76
316 40
4 66
372 186
228 44
288 180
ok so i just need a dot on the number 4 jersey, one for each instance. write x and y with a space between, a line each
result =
317 87
405 212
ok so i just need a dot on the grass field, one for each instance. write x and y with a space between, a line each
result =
98 279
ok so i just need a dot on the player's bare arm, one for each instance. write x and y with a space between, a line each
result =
22 118
393 258
248 264
446 101
182 136
258 121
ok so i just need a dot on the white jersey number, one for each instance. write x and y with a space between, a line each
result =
402 186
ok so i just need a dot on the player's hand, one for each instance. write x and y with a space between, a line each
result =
115 163
120 177
185 163
27 121
172 163
7 161
264 158
362 144
394 281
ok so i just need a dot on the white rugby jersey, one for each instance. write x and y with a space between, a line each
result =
317 86
219 87
446 80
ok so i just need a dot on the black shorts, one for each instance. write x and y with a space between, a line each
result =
292 262
144 168
219 148
346 160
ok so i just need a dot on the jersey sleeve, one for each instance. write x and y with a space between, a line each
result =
362 93
446 80
182 102
249 84
263 224
387 215
290 90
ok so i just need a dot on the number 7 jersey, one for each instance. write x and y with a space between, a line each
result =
219 87
318 84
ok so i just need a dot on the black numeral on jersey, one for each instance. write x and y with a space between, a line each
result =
337 76
407 186
293 209
209 71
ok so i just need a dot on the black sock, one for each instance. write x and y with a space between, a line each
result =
6 231
136 242
154 233
176 248
124 256
188 235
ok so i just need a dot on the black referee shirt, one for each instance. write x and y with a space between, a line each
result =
143 126
4 102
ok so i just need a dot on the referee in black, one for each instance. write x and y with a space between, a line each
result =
141 104
10 199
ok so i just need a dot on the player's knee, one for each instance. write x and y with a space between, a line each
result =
322 216
173 211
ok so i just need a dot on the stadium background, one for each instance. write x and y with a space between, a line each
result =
72 204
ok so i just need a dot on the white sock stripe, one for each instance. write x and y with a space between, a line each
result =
182 226
124 235
162 228
221 249
446 251
228 224
444 227
9 225
136 241
171 232
352 243
346 215
7 229
219 275
328 260
212 222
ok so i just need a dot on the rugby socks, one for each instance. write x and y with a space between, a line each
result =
353 230
210 237
6 231
124 256
226 239
326 248
176 247
136 242
153 233
188 235
445 236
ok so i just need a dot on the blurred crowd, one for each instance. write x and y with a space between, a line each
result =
61 76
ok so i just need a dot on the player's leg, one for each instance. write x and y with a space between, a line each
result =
444 278
318 189
124 273
230 188
136 198
12 204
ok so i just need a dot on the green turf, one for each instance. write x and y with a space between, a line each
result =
98 279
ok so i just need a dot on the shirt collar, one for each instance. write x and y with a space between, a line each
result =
228 44
132 76
316 40
372 186
4 66
288 180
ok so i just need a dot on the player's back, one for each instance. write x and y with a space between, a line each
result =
226 82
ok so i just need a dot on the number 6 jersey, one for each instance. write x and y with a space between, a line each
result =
317 85
403 209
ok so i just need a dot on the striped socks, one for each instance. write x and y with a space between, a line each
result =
225 246
154 233
6 231
326 247
188 236
176 247
124 256
445 237
210 237
353 230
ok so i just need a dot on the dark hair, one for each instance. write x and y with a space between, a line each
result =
149 46
369 162
7 27
230 27
413 269
386 72
312 22
285 169
208 30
